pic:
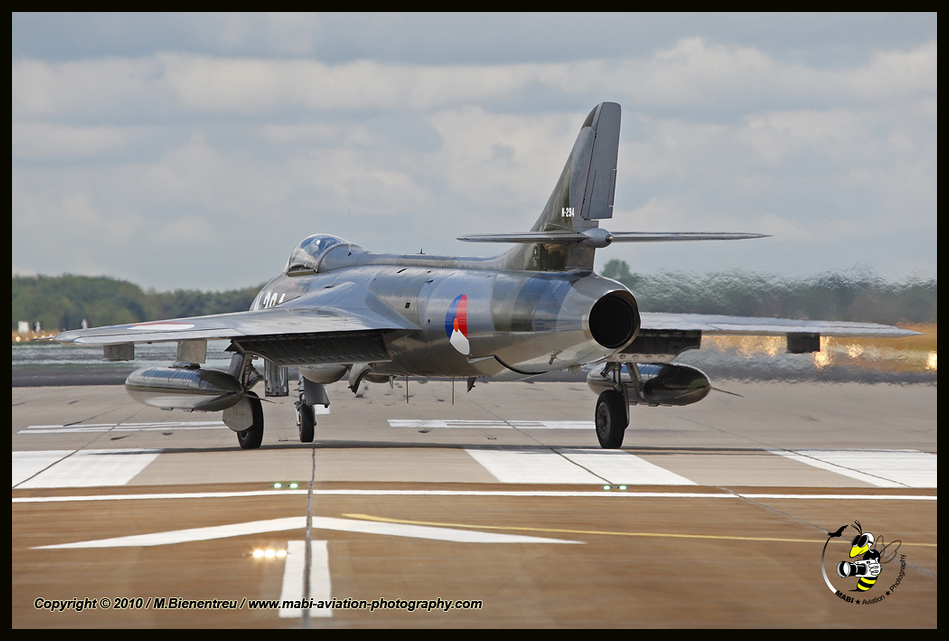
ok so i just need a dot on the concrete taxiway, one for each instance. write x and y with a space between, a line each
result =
495 509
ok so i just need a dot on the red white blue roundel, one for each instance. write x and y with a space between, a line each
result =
456 324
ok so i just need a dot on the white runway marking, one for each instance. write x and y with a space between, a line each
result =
299 522
613 492
82 468
491 424
579 466
320 587
124 427
574 466
531 465
188 535
622 467
882 468
26 464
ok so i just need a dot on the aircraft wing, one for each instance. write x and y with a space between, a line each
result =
341 309
721 325
663 336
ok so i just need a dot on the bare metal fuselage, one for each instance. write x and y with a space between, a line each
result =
517 323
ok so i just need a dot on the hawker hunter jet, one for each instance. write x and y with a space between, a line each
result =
340 312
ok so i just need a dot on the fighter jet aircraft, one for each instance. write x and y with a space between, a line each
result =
338 311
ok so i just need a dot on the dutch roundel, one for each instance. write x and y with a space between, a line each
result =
456 324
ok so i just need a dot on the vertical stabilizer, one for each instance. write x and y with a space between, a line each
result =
582 196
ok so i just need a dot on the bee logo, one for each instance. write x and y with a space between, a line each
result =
874 554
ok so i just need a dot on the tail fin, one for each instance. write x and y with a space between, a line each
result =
582 196
588 180
567 233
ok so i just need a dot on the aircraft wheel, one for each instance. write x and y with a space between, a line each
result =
250 439
610 419
307 423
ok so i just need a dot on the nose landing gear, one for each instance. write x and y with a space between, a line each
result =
311 394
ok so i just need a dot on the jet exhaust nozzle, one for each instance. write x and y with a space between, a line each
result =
614 319
184 388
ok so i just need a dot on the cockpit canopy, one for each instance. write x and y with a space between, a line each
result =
305 257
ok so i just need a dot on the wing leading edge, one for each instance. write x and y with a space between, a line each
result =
722 325
663 336
344 309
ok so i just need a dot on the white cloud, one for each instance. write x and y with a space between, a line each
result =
534 151
50 140
258 137
894 75
99 88
692 72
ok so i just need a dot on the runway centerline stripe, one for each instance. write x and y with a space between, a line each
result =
320 585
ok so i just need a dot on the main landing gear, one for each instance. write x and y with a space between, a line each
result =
611 415
611 419
251 438
652 384
246 417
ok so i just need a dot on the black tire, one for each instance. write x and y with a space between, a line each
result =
250 439
610 419
307 423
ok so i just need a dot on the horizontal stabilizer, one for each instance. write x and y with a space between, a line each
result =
602 238
660 236
525 237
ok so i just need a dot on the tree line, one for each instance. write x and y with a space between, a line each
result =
63 302
858 295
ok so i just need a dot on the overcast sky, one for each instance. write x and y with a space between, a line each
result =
195 150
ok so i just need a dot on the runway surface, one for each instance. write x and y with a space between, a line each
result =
497 510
